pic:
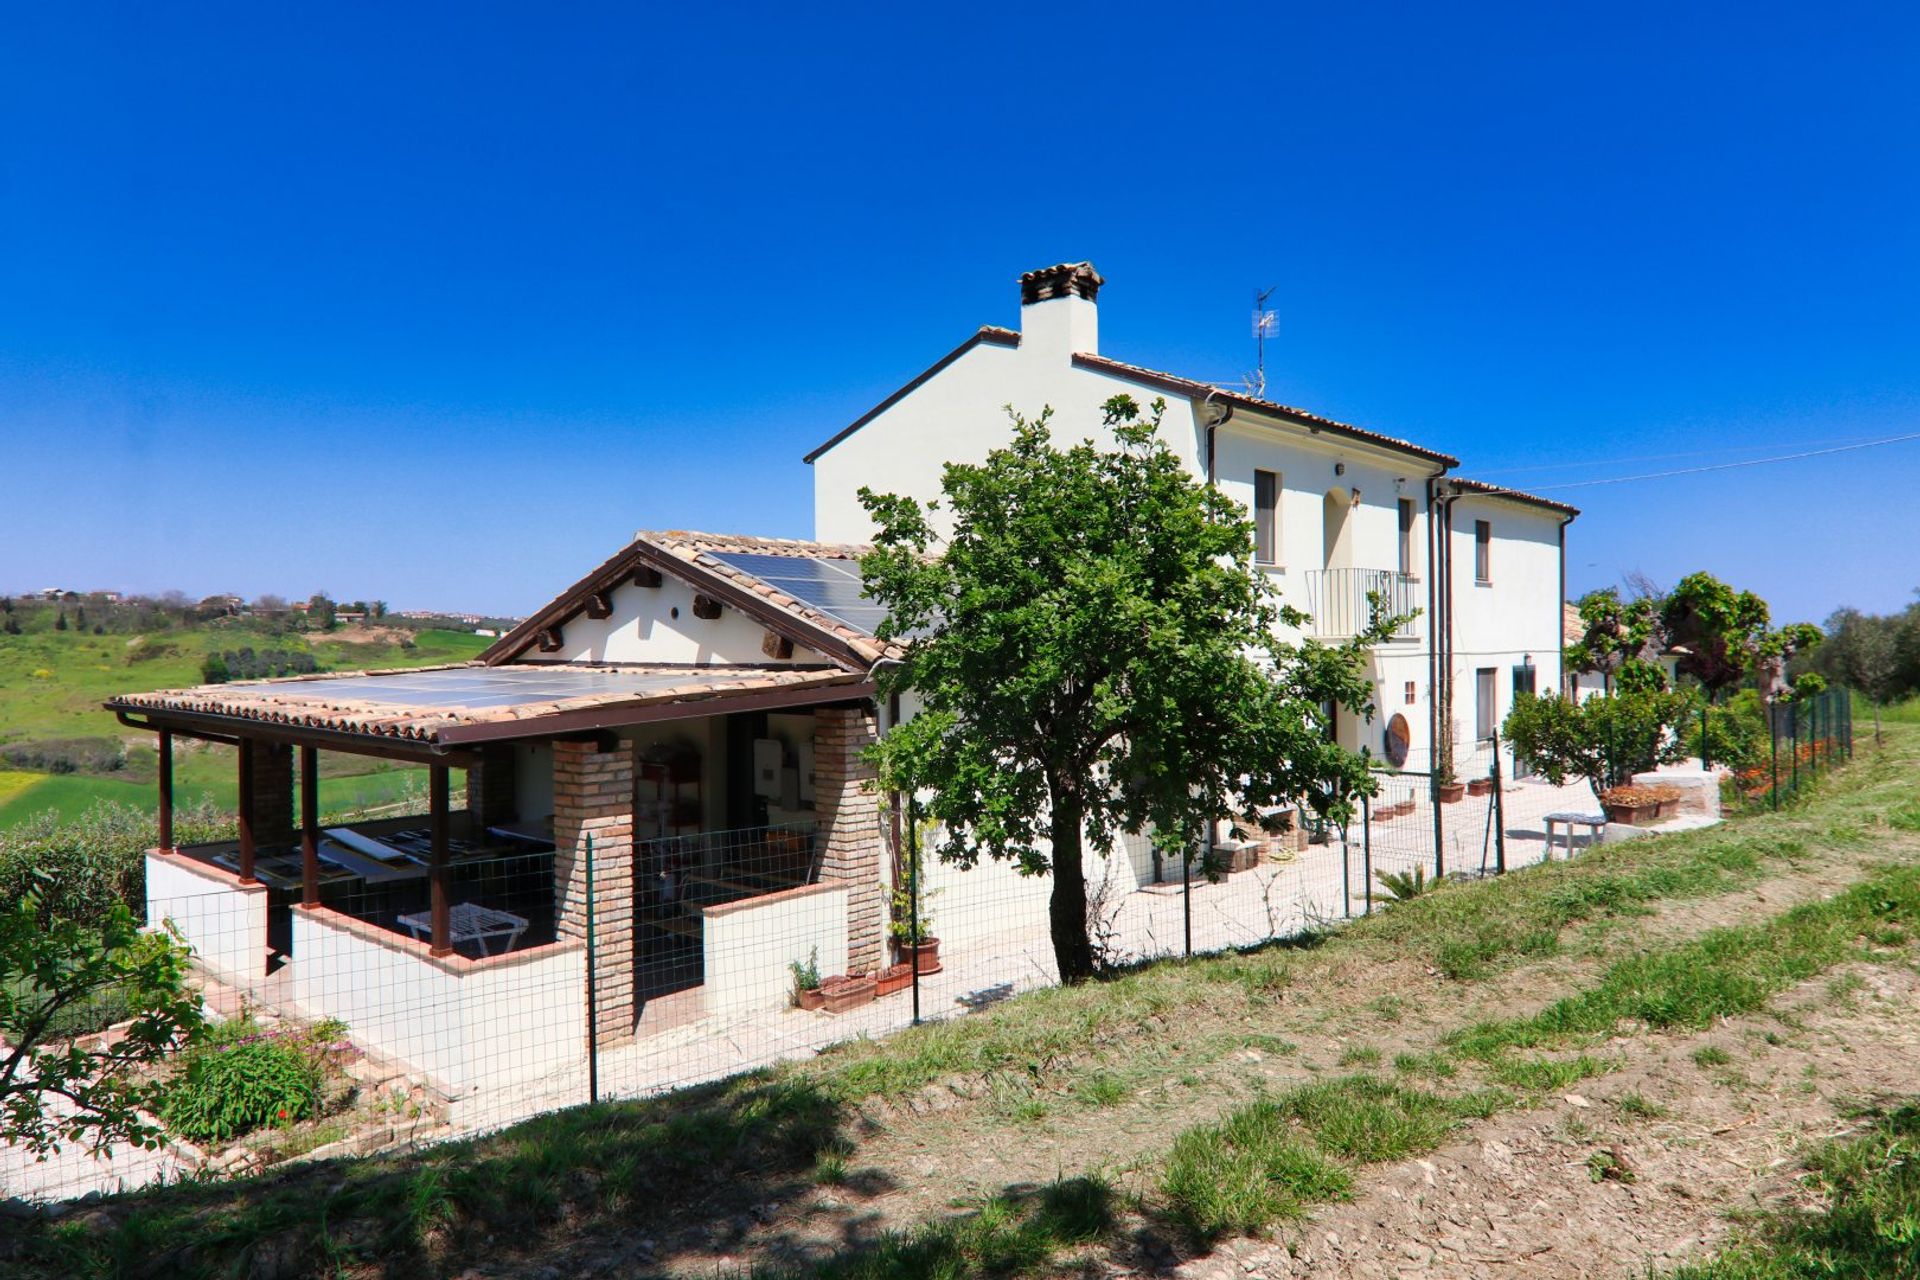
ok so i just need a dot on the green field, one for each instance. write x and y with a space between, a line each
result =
52 685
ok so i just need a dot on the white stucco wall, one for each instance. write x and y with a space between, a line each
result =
1503 622
656 624
224 922
749 945
484 1024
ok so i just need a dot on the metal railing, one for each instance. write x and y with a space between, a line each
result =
1342 601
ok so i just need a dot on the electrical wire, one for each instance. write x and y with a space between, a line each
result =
1730 466
1654 457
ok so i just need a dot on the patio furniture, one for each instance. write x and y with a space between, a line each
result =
469 922
371 869
1594 822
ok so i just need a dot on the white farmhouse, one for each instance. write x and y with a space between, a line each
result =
1340 512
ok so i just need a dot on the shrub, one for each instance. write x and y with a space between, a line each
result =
79 869
65 755
241 1079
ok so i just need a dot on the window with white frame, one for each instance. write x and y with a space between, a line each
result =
1486 711
1406 537
1483 551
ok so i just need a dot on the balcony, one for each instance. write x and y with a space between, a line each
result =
1342 601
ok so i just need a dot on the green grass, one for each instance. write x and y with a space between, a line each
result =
1722 973
1368 1120
1246 1173
1867 1228
1711 1055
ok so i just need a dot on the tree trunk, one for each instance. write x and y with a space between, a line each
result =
1067 909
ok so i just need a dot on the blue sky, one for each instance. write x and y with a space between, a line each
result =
439 306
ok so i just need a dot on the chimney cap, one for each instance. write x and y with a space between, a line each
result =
1062 280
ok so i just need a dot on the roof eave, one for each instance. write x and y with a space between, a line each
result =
990 334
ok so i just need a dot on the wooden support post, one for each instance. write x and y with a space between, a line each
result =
310 826
246 812
166 791
437 799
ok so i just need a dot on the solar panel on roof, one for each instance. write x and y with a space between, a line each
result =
831 585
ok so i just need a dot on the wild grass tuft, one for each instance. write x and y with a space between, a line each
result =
1244 1174
1368 1120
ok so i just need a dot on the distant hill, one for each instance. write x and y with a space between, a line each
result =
60 750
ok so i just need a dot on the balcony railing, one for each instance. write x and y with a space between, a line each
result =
1343 601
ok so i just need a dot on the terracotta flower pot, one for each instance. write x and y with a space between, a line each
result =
809 998
897 977
841 994
925 957
1452 792
1630 815
1480 787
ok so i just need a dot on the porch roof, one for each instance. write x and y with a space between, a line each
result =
453 706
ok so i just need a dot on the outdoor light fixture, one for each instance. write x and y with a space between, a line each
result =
1356 496
1339 468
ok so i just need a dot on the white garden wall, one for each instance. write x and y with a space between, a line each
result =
749 944
465 1023
224 921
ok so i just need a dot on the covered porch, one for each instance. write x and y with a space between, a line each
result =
637 846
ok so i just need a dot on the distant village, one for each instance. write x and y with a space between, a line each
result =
318 612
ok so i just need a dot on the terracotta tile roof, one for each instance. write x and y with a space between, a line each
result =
1572 630
1501 491
693 556
424 704
1313 421
699 549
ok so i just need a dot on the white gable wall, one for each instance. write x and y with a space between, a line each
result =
1511 618
644 628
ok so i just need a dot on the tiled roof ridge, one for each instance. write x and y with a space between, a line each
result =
1196 387
753 544
1502 491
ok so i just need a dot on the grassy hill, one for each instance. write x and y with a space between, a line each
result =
70 753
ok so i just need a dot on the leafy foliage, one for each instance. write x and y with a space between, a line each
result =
55 1090
1617 636
1604 740
240 1079
80 870
1095 654
1406 885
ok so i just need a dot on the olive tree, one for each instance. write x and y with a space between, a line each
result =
1094 653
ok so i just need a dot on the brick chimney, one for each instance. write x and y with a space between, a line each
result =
1057 312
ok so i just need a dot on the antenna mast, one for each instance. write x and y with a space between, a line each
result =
1266 324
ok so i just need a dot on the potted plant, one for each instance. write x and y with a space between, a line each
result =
1480 787
895 977
806 981
913 941
1449 788
847 991
1631 806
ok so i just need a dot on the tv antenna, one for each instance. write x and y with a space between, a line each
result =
1266 324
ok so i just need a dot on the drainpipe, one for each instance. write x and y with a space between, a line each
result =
1220 414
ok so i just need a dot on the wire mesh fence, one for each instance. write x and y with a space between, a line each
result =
1775 750
620 969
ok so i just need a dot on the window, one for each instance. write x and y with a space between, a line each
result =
1486 717
1410 693
1266 510
1523 677
1406 537
1482 551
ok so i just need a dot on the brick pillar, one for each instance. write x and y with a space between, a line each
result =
848 810
272 795
593 795
490 793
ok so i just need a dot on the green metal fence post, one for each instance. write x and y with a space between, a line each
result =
593 995
913 895
1499 814
1706 754
1773 752
1366 847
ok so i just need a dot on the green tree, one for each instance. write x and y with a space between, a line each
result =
320 611
56 1089
1615 635
1605 740
1094 653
